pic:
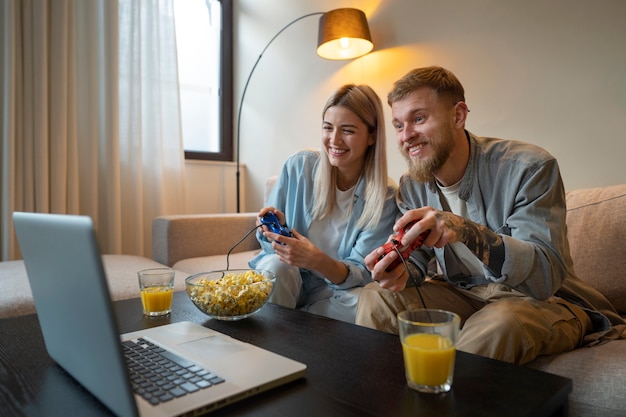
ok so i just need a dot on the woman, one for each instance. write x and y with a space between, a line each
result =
339 204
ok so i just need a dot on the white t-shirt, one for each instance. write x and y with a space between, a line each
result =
459 207
327 233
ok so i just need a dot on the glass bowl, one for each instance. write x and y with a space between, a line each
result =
232 294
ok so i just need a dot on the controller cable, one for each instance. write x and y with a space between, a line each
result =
237 244
412 278
406 267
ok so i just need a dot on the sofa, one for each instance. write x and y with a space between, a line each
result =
596 221
121 272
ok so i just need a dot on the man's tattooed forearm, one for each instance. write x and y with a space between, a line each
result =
484 243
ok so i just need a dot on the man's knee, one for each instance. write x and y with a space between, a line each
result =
495 332
376 309
518 330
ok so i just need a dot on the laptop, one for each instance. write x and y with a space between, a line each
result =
76 316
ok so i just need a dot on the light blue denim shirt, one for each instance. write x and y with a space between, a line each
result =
293 195
514 189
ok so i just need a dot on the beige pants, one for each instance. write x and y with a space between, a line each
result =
496 322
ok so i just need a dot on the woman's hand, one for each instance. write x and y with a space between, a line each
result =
279 214
296 251
300 252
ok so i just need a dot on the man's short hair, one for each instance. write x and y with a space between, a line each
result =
440 80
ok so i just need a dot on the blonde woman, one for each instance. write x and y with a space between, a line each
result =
339 205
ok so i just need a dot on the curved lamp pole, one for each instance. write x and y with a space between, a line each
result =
343 34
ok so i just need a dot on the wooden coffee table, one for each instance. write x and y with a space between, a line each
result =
352 371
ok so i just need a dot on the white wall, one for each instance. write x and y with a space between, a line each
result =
210 187
547 72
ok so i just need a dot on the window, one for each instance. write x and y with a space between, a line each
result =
204 49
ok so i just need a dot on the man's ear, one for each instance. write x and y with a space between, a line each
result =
460 114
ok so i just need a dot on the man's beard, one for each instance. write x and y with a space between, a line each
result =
424 170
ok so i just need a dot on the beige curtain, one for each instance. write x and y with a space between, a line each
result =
89 118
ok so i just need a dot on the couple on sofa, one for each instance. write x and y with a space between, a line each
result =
491 214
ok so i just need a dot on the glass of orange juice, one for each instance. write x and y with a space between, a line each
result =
428 339
157 289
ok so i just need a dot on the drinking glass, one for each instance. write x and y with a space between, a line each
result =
157 289
428 339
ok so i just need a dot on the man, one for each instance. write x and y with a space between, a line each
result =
494 211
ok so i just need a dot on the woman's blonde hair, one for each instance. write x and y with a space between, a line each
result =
363 101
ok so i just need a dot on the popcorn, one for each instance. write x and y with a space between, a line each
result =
235 294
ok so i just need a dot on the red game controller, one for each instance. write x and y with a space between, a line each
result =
394 245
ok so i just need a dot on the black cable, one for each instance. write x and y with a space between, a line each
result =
237 244
406 267
412 278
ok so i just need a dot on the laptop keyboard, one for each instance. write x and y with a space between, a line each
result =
159 375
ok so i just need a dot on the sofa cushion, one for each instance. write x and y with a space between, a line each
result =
16 297
596 224
598 376
238 260
178 237
121 272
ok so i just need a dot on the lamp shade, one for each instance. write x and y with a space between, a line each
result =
343 34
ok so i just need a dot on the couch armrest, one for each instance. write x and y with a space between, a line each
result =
178 237
596 224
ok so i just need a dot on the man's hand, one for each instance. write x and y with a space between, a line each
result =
394 280
443 226
446 227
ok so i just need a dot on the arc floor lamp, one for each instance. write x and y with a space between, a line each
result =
342 34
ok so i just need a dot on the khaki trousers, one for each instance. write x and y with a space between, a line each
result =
498 323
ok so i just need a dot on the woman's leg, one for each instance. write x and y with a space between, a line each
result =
288 283
339 305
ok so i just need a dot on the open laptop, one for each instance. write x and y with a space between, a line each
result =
74 307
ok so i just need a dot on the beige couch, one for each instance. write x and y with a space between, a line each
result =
596 226
121 272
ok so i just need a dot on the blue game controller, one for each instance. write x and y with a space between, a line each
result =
270 220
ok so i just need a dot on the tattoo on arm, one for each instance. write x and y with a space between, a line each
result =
484 243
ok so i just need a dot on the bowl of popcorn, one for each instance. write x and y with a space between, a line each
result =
232 294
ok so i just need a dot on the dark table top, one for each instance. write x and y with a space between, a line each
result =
352 371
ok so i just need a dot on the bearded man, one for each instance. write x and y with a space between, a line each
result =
496 250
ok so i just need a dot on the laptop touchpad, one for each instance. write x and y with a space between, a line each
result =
211 347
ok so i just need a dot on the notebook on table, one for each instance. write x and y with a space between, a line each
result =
207 369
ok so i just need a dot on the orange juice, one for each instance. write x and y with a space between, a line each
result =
428 358
157 300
